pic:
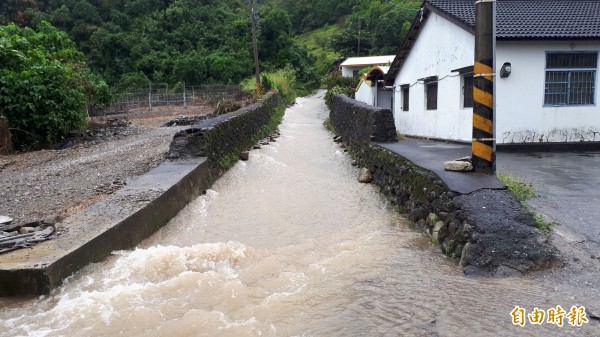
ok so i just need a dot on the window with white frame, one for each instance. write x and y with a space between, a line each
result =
570 78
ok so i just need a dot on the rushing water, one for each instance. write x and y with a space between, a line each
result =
286 244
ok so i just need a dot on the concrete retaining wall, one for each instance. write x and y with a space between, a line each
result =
121 221
487 231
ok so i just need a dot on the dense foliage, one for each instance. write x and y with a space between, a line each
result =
308 15
338 85
377 27
44 84
132 43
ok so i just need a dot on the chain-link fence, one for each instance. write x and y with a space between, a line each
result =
203 95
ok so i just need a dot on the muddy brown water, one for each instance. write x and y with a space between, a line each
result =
286 244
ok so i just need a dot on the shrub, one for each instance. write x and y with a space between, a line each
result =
282 80
43 81
335 81
337 90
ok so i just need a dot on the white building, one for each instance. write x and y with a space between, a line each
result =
550 95
372 90
352 65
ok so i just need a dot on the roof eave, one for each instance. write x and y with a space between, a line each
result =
406 46
451 18
546 38
412 34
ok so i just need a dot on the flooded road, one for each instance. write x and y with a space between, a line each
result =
287 244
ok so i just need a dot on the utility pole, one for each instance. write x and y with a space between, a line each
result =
253 18
483 146
359 29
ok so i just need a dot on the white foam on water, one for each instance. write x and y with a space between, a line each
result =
133 281
297 283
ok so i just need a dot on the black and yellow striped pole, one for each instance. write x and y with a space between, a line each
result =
484 142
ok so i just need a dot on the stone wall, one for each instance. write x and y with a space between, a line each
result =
224 137
360 121
488 231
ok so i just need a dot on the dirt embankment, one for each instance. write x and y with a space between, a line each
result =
93 164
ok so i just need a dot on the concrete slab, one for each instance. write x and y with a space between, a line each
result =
119 222
431 155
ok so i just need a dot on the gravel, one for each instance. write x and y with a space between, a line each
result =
58 183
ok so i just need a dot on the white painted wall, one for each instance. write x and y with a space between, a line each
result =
348 71
440 48
521 116
384 98
365 93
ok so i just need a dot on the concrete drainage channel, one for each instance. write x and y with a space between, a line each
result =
472 217
144 205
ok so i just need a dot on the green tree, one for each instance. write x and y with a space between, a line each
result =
190 68
381 26
42 91
229 67
132 82
278 49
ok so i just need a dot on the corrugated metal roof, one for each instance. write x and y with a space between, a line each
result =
531 19
368 60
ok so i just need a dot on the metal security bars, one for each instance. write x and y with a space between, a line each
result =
570 78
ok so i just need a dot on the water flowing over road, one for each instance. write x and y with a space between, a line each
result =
286 244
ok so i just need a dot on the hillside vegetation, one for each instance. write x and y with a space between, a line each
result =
318 43
132 42
125 45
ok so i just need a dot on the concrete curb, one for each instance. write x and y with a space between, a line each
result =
146 204
119 222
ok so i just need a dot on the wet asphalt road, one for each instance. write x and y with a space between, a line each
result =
568 184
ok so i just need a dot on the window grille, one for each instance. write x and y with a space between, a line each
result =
570 78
